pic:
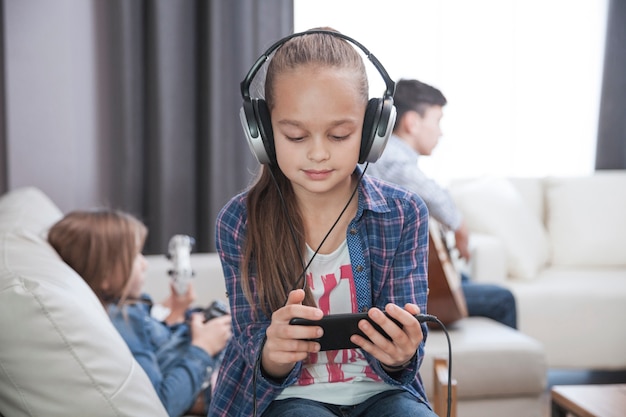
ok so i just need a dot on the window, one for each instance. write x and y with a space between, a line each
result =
522 78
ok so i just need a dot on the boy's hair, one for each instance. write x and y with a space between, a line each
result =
270 251
414 95
101 246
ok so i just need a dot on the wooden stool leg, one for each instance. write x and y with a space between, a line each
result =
440 397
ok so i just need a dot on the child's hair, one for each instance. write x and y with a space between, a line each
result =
101 246
269 243
414 95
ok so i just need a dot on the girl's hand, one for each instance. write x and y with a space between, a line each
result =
404 341
211 336
178 304
286 344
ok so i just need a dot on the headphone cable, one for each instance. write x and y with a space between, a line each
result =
427 317
257 362
434 319
302 276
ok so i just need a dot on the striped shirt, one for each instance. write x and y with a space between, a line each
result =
398 165
388 245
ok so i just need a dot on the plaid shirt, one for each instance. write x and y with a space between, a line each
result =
388 246
398 165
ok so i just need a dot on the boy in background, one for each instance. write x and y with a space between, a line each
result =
416 132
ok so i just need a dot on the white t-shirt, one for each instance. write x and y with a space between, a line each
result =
336 376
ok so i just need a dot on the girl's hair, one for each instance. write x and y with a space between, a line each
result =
270 248
101 246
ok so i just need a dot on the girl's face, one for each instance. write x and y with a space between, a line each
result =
137 276
317 121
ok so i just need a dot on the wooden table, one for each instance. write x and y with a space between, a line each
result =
601 400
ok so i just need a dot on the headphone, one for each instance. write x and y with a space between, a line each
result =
380 113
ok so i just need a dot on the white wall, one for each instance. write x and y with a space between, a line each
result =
522 77
50 99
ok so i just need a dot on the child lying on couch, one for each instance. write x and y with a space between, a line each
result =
104 247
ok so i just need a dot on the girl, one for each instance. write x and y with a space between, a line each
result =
374 258
104 247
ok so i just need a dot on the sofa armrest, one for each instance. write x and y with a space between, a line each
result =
488 261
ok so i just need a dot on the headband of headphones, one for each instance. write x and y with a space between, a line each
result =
378 123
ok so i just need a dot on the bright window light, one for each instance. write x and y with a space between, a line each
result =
522 77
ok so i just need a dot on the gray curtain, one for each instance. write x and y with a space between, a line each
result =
3 141
611 144
168 91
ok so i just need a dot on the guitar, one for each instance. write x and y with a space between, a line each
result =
446 300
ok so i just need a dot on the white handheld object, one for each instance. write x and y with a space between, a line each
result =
179 250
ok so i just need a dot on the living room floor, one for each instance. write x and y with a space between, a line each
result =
582 377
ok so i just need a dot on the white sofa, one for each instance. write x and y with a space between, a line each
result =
59 353
558 244
500 371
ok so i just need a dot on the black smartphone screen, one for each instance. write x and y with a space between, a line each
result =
338 328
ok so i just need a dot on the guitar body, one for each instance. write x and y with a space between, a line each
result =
446 300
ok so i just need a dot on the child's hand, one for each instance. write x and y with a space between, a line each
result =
404 341
285 344
212 335
178 304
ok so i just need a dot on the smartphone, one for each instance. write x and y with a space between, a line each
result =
338 328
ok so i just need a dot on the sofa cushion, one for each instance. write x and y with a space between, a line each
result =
563 300
587 219
27 208
532 192
59 352
494 206
489 360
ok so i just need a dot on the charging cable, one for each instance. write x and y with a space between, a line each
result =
421 318
434 319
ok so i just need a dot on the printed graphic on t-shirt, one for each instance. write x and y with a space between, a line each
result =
332 283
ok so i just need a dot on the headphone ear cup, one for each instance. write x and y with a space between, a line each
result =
370 123
265 128
378 123
252 131
380 118
257 127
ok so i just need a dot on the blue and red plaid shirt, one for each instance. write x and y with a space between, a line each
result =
388 246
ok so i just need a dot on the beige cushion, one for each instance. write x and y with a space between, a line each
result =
562 301
27 208
59 353
494 206
531 190
587 219
489 360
